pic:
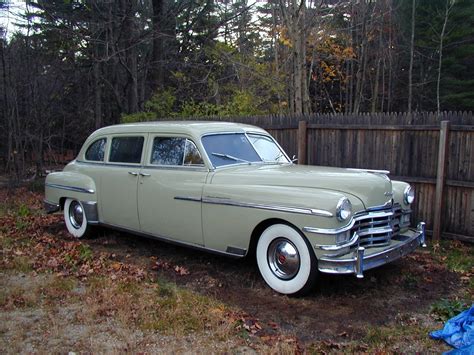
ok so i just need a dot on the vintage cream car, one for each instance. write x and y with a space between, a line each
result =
230 189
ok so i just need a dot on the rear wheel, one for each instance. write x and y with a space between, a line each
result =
76 219
286 261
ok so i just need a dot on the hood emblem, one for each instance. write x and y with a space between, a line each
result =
388 193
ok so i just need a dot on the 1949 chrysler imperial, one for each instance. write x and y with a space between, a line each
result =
230 189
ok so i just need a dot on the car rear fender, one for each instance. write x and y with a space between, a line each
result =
62 185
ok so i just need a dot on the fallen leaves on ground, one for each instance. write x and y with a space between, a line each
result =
43 242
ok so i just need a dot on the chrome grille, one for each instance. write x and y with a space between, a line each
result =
377 228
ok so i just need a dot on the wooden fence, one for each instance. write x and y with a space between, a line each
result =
436 157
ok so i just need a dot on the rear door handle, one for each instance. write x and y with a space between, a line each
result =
134 173
144 174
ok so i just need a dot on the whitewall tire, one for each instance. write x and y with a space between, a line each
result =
286 261
75 218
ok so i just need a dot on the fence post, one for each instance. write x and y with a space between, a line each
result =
440 179
302 141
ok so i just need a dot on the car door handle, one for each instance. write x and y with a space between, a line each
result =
134 173
144 174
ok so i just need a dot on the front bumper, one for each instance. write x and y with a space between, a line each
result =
359 260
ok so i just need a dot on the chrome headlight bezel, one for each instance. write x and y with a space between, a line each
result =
343 209
409 195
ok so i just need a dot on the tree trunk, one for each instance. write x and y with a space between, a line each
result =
158 48
412 47
449 5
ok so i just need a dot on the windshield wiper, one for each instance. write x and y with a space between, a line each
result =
230 157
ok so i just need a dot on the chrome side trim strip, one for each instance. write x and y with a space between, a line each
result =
70 188
228 202
188 198
173 241
347 226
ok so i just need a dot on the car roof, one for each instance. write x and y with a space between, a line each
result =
194 128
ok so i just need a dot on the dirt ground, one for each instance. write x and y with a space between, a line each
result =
389 310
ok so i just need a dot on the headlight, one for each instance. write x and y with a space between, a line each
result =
343 209
409 195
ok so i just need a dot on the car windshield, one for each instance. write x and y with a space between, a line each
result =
239 148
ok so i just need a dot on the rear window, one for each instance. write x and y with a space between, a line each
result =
96 150
126 150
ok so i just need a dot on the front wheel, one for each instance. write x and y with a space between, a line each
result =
76 219
286 261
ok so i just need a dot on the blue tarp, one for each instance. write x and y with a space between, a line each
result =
459 333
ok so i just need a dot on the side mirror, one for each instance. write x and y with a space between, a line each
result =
294 159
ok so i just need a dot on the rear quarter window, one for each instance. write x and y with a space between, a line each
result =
96 151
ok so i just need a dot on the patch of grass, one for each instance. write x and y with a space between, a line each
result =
22 264
173 310
85 253
410 280
397 337
457 256
129 287
445 309
21 224
18 298
6 242
23 211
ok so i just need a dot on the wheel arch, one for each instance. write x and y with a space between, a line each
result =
259 228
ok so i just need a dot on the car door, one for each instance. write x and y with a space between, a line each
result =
119 181
170 189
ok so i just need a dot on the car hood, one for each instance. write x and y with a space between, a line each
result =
373 189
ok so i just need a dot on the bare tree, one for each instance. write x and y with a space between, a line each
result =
412 48
448 7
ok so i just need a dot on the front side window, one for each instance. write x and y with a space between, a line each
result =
126 150
175 151
96 150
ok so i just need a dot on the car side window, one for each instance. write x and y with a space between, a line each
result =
96 150
126 150
175 151
191 154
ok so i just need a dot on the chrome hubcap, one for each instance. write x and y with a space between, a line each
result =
283 258
76 214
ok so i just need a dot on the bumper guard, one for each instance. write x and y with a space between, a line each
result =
360 261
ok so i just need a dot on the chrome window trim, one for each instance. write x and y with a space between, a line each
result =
177 167
70 188
90 162
298 210
124 165
347 226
